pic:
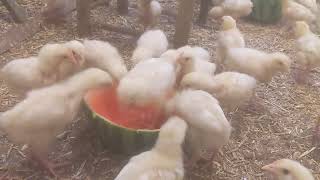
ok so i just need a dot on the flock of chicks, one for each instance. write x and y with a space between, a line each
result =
181 83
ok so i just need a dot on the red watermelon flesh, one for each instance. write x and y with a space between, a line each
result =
104 102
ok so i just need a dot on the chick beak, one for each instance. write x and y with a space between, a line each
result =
270 168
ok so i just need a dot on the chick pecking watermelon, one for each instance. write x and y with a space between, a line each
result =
122 128
266 11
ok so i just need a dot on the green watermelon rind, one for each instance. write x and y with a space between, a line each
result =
266 11
120 139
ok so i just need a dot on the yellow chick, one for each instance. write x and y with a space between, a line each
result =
229 37
234 8
103 55
195 59
151 44
45 112
150 82
260 65
308 45
195 52
66 68
22 75
209 129
232 89
293 11
311 4
165 160
286 169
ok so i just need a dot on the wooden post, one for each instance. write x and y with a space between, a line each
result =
184 22
204 10
83 15
17 12
123 6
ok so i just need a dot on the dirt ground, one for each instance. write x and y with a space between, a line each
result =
282 129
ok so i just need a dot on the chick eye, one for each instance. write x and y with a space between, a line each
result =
285 171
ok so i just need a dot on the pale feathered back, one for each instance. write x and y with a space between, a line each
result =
308 45
232 89
103 55
229 37
151 44
45 112
294 11
234 8
311 4
260 65
51 55
164 161
149 82
195 52
208 127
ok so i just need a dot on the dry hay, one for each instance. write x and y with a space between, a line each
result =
282 130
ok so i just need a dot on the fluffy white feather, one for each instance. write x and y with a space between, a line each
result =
234 8
103 55
228 37
45 112
151 44
208 127
149 82
232 89
260 65
164 161
22 75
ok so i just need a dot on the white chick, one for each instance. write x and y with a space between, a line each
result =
196 52
286 169
311 4
195 59
148 83
149 12
234 8
66 68
208 129
229 37
232 89
151 44
22 75
164 161
45 112
292 11
308 45
104 56
260 65
173 56
200 81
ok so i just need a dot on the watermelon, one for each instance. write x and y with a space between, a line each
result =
266 11
122 130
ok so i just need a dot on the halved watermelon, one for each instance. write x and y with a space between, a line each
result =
122 129
266 11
